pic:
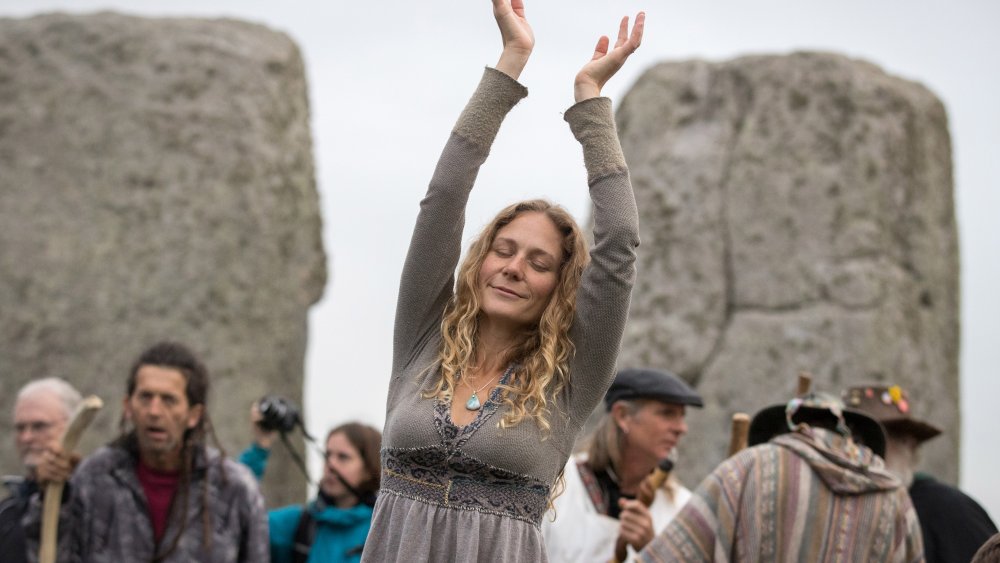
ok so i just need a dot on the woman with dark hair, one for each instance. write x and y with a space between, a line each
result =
495 371
331 528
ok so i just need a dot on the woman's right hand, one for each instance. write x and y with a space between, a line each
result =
518 39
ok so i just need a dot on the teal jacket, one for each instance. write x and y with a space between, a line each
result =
340 533
255 457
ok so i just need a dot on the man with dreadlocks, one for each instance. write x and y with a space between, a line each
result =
158 492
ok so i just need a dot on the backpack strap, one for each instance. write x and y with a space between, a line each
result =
305 534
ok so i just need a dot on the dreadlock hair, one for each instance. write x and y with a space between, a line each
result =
542 356
176 356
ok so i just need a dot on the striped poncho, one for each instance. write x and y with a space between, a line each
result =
805 496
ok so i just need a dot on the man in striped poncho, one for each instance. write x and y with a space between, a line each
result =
812 493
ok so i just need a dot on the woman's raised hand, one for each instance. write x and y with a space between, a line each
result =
596 73
518 39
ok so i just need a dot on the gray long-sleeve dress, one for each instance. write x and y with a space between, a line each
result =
478 492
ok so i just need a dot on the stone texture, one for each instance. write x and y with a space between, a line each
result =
156 182
797 214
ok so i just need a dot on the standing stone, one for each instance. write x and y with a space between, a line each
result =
796 214
156 182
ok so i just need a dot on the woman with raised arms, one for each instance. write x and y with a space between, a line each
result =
495 372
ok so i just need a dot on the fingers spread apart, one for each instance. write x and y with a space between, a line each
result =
631 42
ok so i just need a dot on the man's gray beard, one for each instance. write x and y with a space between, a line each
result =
30 462
900 462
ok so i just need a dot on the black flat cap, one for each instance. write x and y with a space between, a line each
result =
651 384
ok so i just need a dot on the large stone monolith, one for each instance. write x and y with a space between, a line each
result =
797 214
156 182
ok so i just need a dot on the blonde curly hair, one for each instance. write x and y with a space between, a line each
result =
542 355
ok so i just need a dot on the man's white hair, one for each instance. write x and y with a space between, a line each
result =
68 396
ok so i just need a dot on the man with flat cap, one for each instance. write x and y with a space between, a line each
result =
642 425
811 488
952 523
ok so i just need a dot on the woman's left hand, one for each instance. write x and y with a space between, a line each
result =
604 64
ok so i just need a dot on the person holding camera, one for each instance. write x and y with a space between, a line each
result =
332 527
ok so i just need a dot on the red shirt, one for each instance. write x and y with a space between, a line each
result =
160 488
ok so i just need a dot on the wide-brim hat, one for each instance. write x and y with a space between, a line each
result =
890 405
648 383
774 420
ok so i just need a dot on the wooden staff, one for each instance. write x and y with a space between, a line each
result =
53 490
805 382
739 432
645 495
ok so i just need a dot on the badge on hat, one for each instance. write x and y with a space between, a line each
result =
890 405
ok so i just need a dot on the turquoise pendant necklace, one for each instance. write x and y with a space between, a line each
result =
473 404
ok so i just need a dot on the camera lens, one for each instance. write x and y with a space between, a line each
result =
278 414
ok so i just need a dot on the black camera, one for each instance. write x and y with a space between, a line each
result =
278 414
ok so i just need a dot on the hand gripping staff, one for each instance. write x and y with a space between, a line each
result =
646 494
53 491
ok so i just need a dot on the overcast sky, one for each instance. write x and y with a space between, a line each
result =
388 78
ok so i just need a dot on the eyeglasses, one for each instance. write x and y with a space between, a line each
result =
36 427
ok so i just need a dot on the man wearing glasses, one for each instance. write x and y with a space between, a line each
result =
41 413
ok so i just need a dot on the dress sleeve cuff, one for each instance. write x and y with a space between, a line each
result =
593 124
496 95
